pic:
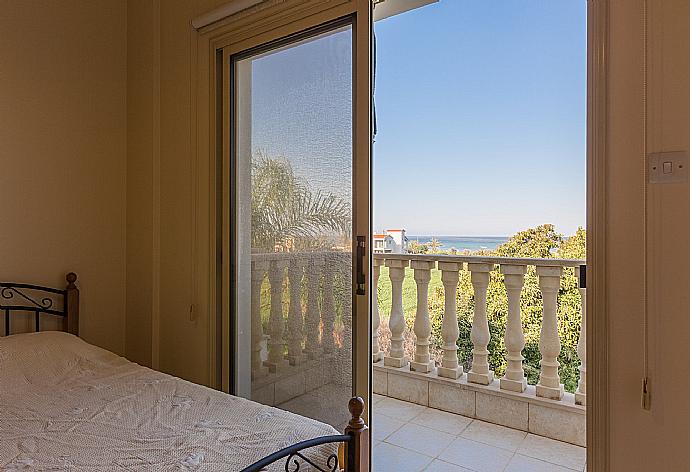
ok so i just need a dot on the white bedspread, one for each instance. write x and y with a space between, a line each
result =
68 405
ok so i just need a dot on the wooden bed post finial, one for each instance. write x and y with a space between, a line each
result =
356 407
357 450
72 304
71 278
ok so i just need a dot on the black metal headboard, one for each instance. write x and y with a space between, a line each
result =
36 299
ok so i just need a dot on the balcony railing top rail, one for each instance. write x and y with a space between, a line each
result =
297 255
549 262
546 262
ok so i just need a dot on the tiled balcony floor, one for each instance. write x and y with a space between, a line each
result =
408 438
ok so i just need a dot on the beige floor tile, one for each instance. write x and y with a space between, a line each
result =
442 421
376 398
494 435
421 439
476 456
390 458
556 452
440 466
521 463
383 426
415 434
397 409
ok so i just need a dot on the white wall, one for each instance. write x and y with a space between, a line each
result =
62 153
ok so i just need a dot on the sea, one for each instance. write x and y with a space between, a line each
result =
462 243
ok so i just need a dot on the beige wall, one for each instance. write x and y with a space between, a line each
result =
143 178
656 439
62 153
163 29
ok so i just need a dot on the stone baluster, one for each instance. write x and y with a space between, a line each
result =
312 318
549 385
328 306
480 335
422 325
345 352
581 392
276 325
396 272
514 378
377 354
258 273
295 323
450 367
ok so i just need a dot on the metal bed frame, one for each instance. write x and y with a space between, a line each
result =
40 300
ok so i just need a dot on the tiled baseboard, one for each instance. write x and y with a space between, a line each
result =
561 420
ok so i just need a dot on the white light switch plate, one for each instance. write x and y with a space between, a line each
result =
668 167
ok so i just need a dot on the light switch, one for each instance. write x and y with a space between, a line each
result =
668 167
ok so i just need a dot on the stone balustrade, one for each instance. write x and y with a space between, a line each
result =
301 323
420 380
301 336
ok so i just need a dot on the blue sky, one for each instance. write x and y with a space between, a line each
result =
481 117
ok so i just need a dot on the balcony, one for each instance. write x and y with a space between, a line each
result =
301 357
406 371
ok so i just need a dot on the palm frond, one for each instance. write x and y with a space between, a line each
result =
284 207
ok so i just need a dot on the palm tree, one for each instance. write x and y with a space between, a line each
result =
434 244
284 208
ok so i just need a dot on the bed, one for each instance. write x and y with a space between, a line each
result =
69 405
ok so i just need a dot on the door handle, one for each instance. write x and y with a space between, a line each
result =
361 254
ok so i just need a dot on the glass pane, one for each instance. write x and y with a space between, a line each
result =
293 148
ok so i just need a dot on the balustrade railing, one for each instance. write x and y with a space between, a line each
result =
548 272
306 315
307 319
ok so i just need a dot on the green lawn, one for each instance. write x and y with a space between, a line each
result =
409 291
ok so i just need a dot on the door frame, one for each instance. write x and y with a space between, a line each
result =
598 427
265 23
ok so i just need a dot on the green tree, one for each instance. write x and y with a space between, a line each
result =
434 245
415 247
540 242
284 207
575 247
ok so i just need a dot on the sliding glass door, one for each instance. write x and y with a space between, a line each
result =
296 289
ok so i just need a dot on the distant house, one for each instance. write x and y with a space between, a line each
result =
383 243
392 241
